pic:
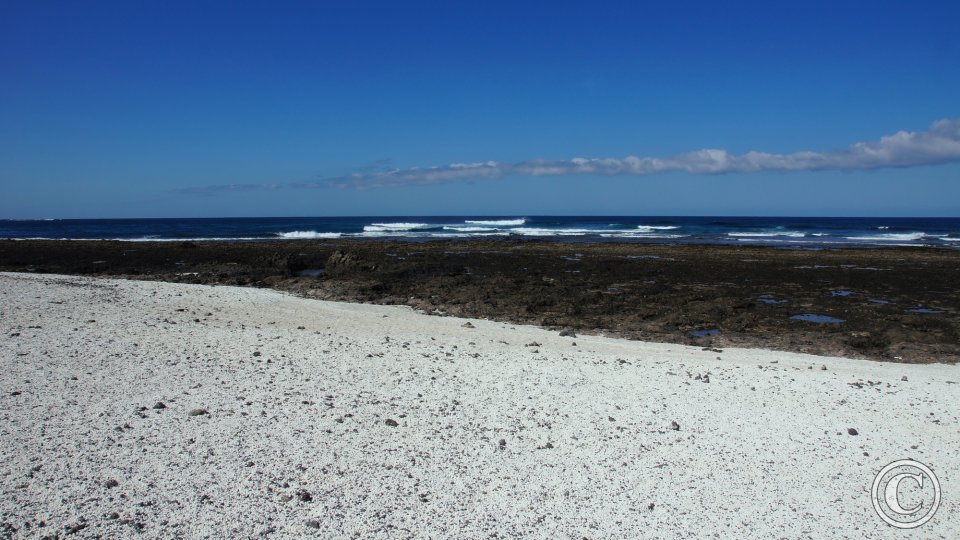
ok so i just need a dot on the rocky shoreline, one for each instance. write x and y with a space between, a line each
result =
895 304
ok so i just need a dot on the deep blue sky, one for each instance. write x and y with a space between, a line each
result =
112 109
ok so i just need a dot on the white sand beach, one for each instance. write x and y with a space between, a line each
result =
157 410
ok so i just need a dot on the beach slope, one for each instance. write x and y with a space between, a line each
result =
160 410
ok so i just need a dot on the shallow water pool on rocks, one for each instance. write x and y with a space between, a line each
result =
819 319
704 333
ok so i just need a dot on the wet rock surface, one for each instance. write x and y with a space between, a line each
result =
664 293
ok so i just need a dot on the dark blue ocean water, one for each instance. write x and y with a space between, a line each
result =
780 231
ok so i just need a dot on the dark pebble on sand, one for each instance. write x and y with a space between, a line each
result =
14 393
391 422
73 529
502 443
159 405
567 333
674 426
111 483
468 325
313 523
852 431
304 495
198 412
256 353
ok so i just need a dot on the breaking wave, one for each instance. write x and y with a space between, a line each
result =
301 235
497 222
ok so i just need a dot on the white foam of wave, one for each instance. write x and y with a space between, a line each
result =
657 227
497 222
299 235
394 227
790 234
533 231
469 229
616 233
641 235
883 227
948 239
889 237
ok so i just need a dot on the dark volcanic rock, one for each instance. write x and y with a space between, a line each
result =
660 297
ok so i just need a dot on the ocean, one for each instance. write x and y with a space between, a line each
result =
799 232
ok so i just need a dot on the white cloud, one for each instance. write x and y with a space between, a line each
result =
938 145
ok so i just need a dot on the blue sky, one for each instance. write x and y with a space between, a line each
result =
170 109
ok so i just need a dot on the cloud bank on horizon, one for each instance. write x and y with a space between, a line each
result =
940 144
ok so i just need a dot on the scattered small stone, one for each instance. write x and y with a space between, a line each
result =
650 506
502 443
73 529
904 378
304 496
256 353
468 324
113 515
301 328
823 367
111 483
313 523
532 344
159 405
14 393
567 333
852 431
675 426
391 422
198 412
